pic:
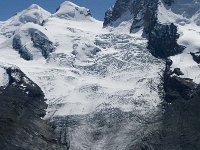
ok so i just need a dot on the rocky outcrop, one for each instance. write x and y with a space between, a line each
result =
116 11
177 88
196 57
162 39
178 72
40 43
180 126
22 106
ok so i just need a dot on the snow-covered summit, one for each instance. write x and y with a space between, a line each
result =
71 11
34 14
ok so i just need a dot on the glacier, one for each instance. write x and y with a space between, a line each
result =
103 86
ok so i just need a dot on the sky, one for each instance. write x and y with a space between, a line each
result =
10 7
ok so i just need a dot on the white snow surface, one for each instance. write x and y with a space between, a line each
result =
186 16
4 79
71 11
91 69
24 32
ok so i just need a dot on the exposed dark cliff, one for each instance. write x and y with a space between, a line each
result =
22 106
180 128
162 39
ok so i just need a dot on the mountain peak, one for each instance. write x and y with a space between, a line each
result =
68 3
34 6
71 11
34 14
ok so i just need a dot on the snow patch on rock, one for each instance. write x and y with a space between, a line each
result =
185 15
4 79
34 14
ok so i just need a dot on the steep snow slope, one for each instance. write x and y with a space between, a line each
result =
185 15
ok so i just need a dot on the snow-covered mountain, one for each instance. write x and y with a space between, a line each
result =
71 11
34 14
105 82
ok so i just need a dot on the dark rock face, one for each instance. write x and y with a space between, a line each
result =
22 105
196 57
178 71
17 45
162 39
42 42
176 87
179 128
179 88
116 12
135 8
180 125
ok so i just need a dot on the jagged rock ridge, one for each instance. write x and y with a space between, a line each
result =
22 106
32 41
